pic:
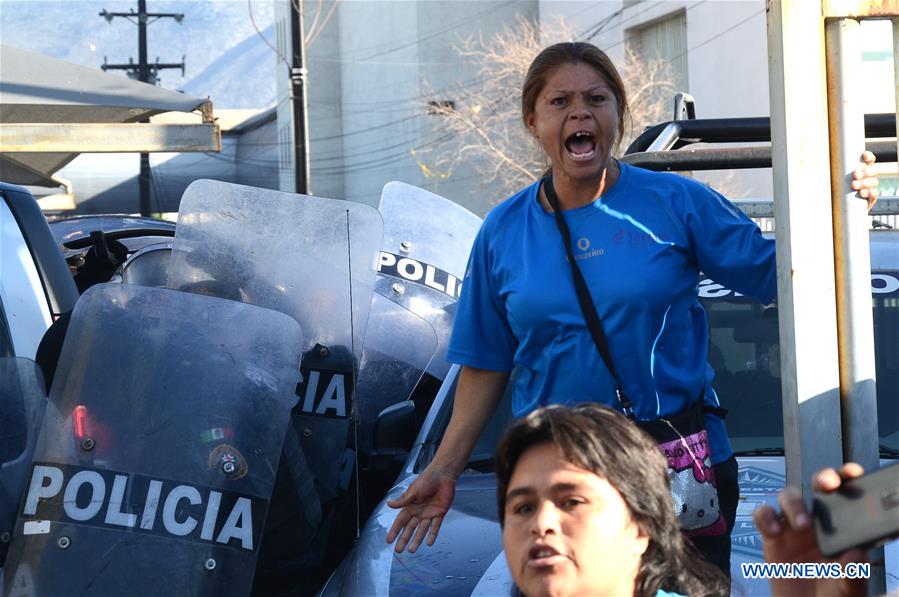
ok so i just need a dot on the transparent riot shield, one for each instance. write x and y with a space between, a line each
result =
309 257
22 404
427 240
156 459
399 345
313 259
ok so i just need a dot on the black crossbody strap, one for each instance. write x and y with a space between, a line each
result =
591 316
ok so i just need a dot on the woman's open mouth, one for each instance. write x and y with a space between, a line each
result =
544 556
581 146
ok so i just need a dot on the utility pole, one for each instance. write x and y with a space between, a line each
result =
145 72
299 78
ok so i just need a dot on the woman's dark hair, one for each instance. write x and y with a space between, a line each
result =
573 52
599 439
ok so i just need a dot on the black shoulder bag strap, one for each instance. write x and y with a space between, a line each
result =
591 316
585 300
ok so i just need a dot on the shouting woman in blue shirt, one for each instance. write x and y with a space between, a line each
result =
640 239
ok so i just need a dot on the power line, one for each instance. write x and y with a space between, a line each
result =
363 131
416 40
716 36
593 30
481 79
408 141
381 161
598 27
634 16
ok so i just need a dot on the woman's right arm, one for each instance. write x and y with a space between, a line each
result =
426 502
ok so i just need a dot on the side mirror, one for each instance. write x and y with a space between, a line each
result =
393 435
395 428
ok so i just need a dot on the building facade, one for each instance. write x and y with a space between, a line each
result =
376 64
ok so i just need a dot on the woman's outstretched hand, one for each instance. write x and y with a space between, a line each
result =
864 180
423 505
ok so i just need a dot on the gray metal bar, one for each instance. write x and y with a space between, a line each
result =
299 77
805 288
666 139
764 208
852 259
109 138
852 255
896 77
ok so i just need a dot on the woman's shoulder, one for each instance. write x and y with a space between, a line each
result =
680 192
512 207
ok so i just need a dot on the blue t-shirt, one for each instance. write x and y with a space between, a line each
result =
640 247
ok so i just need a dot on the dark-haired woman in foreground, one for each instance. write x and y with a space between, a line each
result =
585 508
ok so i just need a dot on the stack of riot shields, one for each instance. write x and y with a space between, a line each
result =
203 433
315 260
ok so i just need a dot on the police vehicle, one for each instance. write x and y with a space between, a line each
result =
35 285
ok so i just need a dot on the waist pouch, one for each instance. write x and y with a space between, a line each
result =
684 441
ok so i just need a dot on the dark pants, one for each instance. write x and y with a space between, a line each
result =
717 549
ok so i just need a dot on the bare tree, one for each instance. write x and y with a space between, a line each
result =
484 124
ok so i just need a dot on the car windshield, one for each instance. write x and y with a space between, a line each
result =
745 354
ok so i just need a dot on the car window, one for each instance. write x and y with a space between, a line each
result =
21 290
745 354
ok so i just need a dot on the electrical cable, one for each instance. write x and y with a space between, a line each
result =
418 39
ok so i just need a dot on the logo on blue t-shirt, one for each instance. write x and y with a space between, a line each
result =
583 245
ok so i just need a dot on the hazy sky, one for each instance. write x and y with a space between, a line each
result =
72 30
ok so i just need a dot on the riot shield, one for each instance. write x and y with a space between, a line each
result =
399 345
22 405
157 456
309 257
427 240
313 259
